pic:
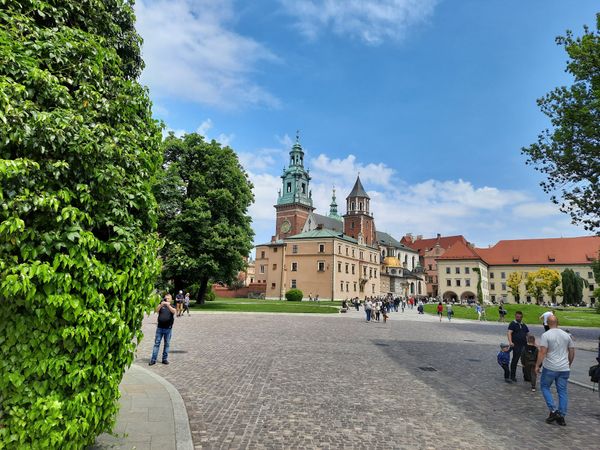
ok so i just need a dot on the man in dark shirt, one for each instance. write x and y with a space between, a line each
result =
166 317
517 339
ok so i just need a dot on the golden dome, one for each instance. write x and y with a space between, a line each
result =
391 261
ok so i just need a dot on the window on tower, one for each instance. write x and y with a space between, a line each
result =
303 188
289 187
360 208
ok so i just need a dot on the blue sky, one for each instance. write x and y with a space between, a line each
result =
431 100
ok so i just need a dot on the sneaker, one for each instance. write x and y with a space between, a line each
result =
552 417
151 363
165 361
561 420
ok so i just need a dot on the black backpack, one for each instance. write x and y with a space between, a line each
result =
594 373
165 317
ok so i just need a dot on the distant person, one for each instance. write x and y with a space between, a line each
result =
179 303
556 355
440 310
544 319
368 309
517 338
478 310
166 317
186 304
503 358
528 361
501 313
377 310
449 311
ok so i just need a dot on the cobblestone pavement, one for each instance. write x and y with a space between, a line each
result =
288 381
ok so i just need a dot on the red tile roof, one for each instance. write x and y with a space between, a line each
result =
460 250
578 250
422 245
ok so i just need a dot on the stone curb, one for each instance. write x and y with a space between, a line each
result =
183 435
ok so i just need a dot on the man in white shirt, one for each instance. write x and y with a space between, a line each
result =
544 318
556 355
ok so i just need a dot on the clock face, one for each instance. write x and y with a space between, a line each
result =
286 226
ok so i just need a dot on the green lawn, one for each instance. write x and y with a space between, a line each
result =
580 317
271 306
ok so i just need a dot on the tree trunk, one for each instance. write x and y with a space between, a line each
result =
203 288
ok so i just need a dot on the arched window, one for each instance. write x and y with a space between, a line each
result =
413 263
352 206
289 187
360 208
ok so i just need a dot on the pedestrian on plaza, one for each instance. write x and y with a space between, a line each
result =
440 310
503 358
186 304
403 304
517 338
478 309
310 296
368 309
449 311
385 315
544 319
377 310
501 313
556 355
528 360
166 317
179 303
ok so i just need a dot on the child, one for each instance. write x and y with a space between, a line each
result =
504 360
528 360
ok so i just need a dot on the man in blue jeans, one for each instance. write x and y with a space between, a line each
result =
166 317
556 354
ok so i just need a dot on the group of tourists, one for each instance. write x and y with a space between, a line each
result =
551 359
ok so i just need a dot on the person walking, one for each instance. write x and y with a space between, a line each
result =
186 304
517 339
556 354
179 303
166 317
478 309
544 319
440 310
368 309
449 311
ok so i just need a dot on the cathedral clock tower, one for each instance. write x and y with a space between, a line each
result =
358 221
294 202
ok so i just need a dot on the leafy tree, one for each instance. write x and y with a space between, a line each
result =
479 290
204 195
568 154
550 281
572 286
534 285
514 283
78 248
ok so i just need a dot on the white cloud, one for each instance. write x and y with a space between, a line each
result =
191 53
372 21
204 127
536 210
347 169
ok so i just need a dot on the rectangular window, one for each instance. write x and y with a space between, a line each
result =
347 286
294 267
503 275
493 286
430 267
274 266
371 257
339 267
448 282
347 266
503 286
355 286
447 270
353 253
373 288
370 272
361 255
467 270
321 266
272 285
365 272
493 298
321 248
294 248
293 285
262 268
590 275
458 282
339 249
491 274
274 249
353 268
262 254
342 286
591 286
375 273
457 269
346 250
467 282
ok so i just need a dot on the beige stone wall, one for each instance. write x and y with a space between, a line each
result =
324 267
458 277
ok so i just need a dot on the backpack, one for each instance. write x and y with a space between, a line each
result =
594 373
165 317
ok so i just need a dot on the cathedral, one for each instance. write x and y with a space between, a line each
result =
332 256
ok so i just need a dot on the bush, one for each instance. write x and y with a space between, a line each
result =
294 295
78 248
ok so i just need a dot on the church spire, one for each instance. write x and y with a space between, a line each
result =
333 211
296 179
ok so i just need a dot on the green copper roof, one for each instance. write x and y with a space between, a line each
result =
333 212
358 190
295 180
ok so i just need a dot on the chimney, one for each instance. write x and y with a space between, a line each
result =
439 235
419 237
409 237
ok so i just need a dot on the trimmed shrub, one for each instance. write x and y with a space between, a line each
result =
294 295
78 248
